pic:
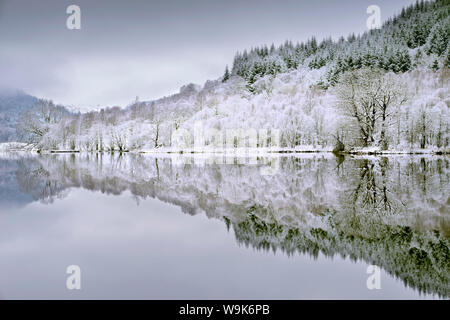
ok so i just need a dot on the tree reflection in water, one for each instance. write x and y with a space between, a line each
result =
388 211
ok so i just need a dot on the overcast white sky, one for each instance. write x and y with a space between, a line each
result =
150 48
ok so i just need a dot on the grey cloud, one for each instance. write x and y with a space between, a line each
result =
150 48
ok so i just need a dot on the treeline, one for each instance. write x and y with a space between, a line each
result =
51 126
401 44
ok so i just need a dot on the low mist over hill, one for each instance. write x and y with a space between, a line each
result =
12 104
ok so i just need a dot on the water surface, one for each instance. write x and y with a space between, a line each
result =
146 227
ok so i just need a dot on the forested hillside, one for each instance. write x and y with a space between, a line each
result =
417 37
384 90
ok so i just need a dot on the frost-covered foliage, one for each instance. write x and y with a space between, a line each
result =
391 211
297 89
305 114
39 124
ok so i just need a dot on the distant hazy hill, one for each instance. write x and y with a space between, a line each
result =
12 104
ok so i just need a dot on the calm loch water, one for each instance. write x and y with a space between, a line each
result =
292 227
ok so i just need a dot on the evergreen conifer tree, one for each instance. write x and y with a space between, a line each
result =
435 65
226 75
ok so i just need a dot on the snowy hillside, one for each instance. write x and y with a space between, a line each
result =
386 89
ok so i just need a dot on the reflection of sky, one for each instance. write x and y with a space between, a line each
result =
153 250
149 48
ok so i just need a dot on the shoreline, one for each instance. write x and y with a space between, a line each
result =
12 147
237 154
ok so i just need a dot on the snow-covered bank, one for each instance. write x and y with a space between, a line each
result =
298 149
16 150
14 146
379 151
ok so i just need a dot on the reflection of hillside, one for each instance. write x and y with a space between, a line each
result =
10 196
419 259
392 212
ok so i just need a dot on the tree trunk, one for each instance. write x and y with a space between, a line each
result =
384 143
